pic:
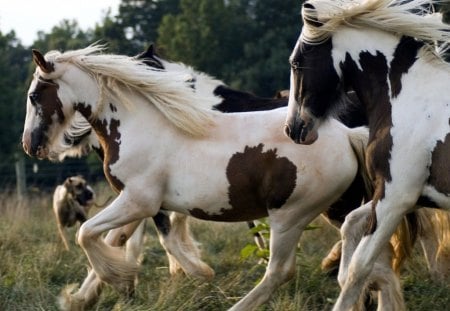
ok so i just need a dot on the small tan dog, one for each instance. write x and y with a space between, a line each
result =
71 203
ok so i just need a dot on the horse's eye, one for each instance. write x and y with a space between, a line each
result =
34 97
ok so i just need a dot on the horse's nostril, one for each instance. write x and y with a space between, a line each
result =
287 130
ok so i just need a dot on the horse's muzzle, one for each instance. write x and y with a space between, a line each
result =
301 132
32 148
26 143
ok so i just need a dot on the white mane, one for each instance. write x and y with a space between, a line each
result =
394 16
201 82
118 75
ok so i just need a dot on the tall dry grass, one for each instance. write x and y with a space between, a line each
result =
34 268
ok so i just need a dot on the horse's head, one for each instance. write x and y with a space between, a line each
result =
364 46
49 106
315 85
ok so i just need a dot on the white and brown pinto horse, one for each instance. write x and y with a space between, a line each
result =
383 51
161 151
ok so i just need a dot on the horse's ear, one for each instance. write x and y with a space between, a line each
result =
40 61
148 53
310 16
150 50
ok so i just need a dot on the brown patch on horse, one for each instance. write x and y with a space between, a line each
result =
238 101
440 166
112 107
405 56
258 181
370 83
109 138
352 198
47 104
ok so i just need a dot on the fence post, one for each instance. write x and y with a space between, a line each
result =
20 176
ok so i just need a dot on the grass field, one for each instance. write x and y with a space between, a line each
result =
34 268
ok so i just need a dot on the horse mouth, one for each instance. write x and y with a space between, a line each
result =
307 137
42 153
302 133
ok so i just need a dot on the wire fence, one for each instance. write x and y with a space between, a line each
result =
37 176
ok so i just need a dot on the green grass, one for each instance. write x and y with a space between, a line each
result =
34 268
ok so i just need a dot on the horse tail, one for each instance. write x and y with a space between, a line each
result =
359 137
435 240
404 238
442 228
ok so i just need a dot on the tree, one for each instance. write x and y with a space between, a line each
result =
112 33
140 18
13 73
246 43
67 35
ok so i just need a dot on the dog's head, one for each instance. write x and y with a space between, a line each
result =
80 191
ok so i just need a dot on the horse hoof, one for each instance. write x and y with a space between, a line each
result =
68 301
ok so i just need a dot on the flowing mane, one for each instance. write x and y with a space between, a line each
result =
117 75
323 17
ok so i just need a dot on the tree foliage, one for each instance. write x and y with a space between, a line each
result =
246 43
13 73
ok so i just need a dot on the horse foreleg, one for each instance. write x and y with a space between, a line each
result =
382 278
356 271
109 263
87 295
281 267
386 282
181 248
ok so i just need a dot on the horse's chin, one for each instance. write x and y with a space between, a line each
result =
43 153
54 157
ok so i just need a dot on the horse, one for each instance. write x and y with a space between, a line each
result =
158 143
230 101
402 83
71 204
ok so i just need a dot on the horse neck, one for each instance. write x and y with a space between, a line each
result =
109 117
370 68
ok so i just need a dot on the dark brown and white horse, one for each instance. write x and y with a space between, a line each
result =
383 51
162 151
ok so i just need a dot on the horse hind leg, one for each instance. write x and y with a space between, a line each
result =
181 248
280 269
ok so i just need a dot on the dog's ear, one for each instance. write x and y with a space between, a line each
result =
68 182
69 185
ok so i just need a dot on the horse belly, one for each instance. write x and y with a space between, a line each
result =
206 203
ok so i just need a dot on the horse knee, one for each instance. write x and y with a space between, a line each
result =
84 235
